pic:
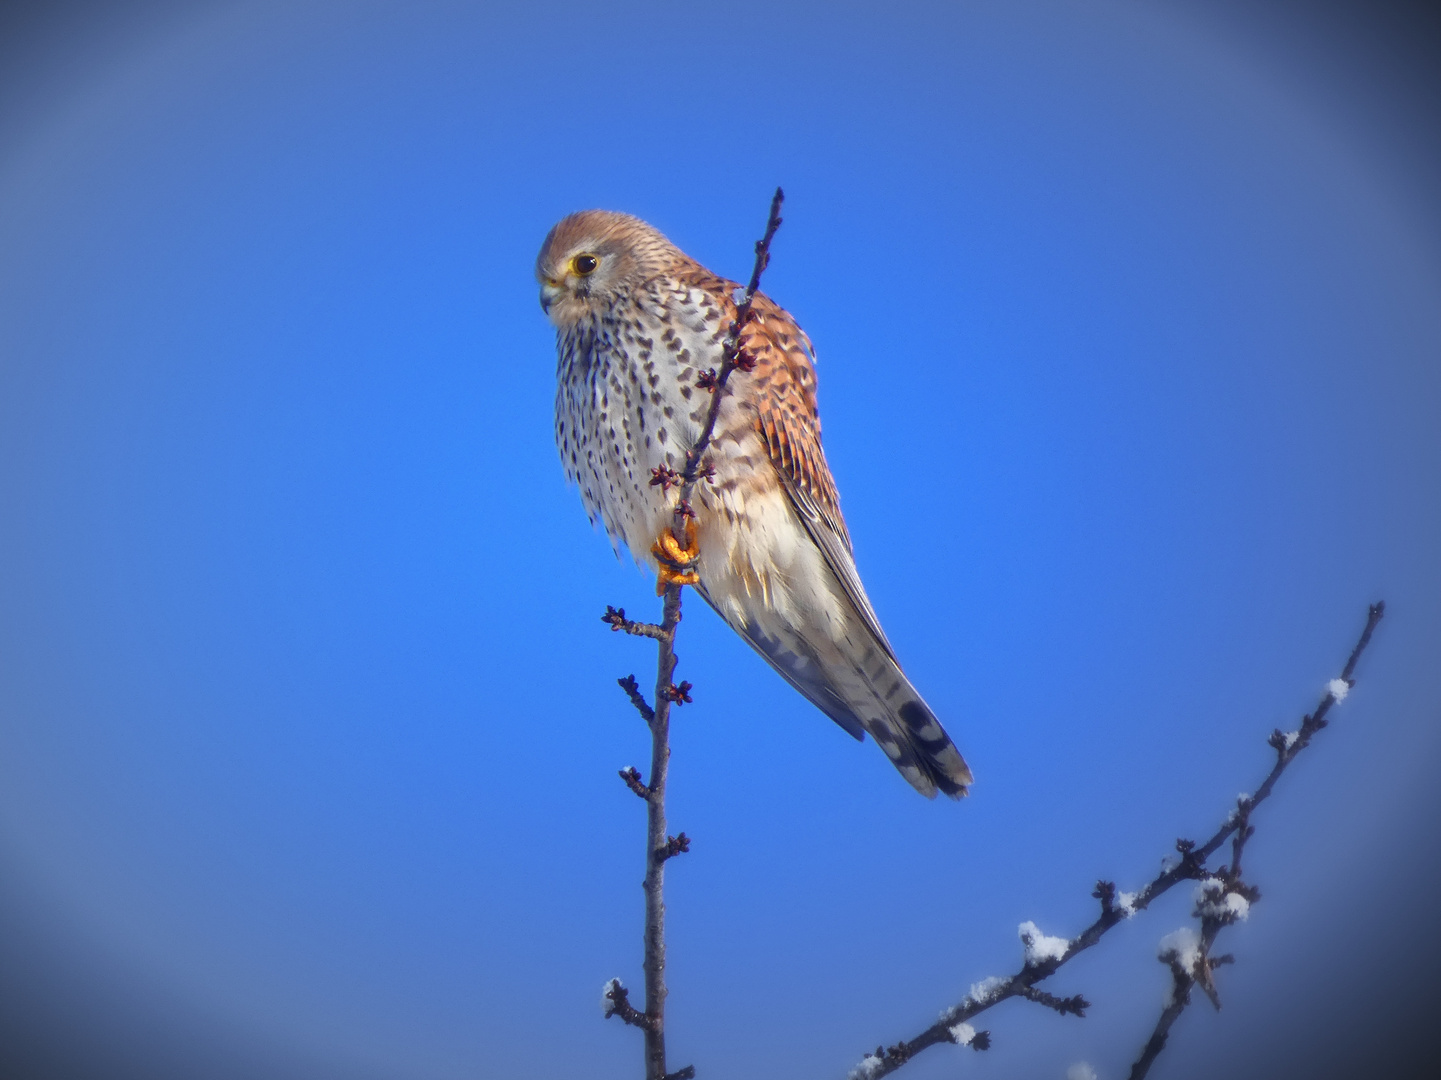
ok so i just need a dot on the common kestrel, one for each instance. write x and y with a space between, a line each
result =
637 322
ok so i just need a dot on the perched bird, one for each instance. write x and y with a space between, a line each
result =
637 323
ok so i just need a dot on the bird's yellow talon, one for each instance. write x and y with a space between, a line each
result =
669 547
672 549
668 577
676 561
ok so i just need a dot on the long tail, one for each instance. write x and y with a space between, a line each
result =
878 695
864 690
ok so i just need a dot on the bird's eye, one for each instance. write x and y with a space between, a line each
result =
584 264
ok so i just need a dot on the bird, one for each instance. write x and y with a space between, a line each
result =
638 325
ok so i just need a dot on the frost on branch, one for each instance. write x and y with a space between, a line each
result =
1081 1071
609 993
615 1001
1181 947
869 1068
1243 806
1338 689
1214 902
1222 898
1041 947
984 992
962 1033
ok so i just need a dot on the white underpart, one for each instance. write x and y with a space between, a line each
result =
614 474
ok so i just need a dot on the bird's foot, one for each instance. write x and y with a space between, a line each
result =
677 564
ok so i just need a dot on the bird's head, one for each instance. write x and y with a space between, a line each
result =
592 256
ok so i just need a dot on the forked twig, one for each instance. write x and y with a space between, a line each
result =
1222 900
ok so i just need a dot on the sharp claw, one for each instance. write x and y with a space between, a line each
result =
676 561
668 548
668 577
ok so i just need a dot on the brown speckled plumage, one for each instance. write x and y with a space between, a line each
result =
634 331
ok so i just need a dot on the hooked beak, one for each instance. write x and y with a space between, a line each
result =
550 290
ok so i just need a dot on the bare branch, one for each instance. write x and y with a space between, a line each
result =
661 847
653 949
1224 897
1105 892
616 620
1180 998
1216 908
678 693
632 691
673 846
1076 1004
632 779
619 1005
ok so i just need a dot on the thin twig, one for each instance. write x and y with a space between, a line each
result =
618 998
1215 907
1189 867
673 846
1180 998
1075 1005
632 691
653 962
659 846
632 778
616 620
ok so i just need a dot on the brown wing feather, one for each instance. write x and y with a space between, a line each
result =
785 400
783 392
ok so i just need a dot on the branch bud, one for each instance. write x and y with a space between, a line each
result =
664 478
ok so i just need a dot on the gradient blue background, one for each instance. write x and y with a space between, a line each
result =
1128 317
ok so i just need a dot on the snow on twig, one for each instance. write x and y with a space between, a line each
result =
1222 898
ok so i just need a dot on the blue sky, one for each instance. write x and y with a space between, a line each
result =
1128 338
